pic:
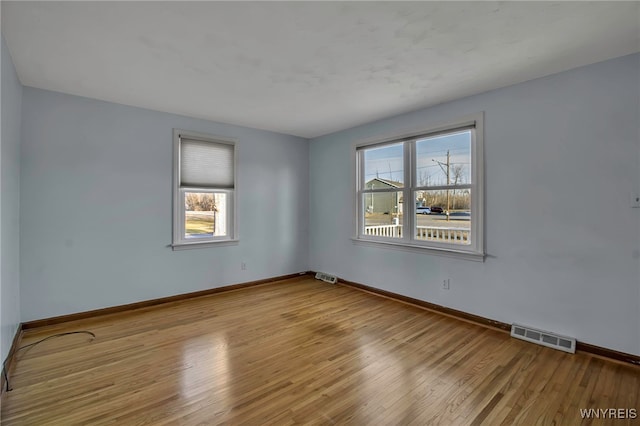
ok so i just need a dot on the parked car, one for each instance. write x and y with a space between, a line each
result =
436 209
423 210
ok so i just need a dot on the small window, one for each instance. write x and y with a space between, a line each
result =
204 190
423 190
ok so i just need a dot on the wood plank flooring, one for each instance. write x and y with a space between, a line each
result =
304 352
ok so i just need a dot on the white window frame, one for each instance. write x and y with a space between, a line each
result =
179 241
474 251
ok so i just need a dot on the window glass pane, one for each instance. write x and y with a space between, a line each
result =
205 214
434 224
444 159
383 167
383 214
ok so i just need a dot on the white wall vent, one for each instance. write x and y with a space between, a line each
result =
326 277
544 338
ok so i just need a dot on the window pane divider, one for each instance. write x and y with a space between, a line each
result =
206 189
381 190
408 208
441 187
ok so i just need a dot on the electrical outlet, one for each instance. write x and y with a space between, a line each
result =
243 266
445 284
635 199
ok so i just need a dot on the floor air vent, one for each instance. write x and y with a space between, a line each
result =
326 277
555 341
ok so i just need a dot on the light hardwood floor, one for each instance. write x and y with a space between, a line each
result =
303 351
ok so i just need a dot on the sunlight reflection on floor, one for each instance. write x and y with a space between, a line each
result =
206 364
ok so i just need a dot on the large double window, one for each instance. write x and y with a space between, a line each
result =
204 189
424 190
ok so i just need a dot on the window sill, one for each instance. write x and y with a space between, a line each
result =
203 244
458 254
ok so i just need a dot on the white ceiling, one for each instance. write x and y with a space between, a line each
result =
305 68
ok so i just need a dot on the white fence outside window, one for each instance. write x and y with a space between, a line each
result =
428 233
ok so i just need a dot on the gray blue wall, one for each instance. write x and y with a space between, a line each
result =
562 158
9 202
96 207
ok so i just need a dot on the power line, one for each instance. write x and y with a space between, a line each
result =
418 168
452 150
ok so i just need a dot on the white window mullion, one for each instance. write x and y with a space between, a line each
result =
181 226
360 208
409 207
477 188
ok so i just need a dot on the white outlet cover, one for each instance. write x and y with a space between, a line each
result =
635 199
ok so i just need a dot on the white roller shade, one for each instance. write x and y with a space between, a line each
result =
206 164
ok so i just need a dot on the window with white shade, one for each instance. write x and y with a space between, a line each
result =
423 190
204 190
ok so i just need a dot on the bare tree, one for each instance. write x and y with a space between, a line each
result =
203 202
457 173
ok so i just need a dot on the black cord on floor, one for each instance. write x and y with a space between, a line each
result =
11 354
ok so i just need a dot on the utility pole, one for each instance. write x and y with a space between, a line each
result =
448 182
